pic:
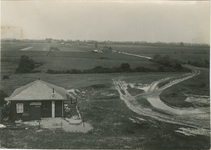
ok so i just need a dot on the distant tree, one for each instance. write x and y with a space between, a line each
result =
165 60
26 65
125 66
181 44
156 56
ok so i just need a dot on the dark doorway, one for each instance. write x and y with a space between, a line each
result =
35 112
58 108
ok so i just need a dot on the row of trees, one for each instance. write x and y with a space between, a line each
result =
168 63
125 67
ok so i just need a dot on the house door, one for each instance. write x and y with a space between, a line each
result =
35 112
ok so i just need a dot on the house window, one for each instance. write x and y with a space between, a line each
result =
19 107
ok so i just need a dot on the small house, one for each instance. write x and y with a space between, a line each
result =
37 100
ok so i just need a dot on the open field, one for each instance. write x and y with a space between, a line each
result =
72 60
109 116
30 46
114 124
81 57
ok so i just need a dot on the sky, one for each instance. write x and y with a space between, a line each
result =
149 21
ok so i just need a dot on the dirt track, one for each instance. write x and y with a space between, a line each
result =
189 117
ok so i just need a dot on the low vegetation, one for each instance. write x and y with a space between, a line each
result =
4 109
125 67
205 64
168 64
5 77
108 115
26 65
199 85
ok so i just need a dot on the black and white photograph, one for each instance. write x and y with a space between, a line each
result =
103 74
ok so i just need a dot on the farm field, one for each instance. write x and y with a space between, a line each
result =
29 46
72 56
74 60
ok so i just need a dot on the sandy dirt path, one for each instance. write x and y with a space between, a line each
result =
136 55
188 117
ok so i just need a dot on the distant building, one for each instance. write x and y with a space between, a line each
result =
106 49
37 100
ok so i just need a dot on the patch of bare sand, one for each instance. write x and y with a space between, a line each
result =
68 126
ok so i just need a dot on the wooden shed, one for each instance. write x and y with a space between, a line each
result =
37 100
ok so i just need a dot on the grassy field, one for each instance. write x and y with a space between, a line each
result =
81 57
73 60
69 81
20 46
108 115
199 85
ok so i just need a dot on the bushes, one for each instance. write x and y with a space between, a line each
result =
27 65
2 96
125 67
4 108
206 64
5 77
168 64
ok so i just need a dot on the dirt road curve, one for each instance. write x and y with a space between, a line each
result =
197 118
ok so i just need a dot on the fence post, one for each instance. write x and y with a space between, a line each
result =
39 124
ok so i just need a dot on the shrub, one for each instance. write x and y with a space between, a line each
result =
4 108
125 66
2 96
5 77
26 65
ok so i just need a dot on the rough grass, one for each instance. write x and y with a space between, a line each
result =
112 130
69 81
77 60
109 116
198 85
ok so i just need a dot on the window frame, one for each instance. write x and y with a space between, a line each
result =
19 107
